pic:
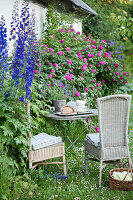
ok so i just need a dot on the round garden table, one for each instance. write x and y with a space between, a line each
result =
78 116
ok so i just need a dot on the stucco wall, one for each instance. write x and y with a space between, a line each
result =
6 8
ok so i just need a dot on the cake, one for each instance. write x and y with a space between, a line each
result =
67 110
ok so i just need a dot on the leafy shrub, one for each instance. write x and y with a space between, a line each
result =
80 62
14 130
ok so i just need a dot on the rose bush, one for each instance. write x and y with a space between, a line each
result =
80 62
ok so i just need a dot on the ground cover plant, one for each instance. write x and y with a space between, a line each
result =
75 63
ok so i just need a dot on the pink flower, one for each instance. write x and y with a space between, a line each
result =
89 55
92 87
92 55
93 46
56 65
71 69
79 54
99 88
68 49
68 31
102 62
51 49
70 75
84 67
93 81
52 36
36 72
124 73
93 42
116 65
101 47
113 80
102 82
50 75
62 30
97 65
45 50
83 50
97 129
78 32
121 77
99 54
81 79
51 64
44 46
68 78
104 41
85 60
52 70
89 36
97 84
60 53
62 85
77 93
90 65
109 69
49 85
61 41
116 73
93 70
86 89
80 57
39 64
90 119
62 65
81 74
85 39
69 62
124 82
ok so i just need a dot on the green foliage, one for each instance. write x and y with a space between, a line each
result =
13 186
101 26
14 130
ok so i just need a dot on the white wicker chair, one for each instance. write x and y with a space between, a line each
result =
44 147
111 143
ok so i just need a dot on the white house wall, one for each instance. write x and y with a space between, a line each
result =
6 9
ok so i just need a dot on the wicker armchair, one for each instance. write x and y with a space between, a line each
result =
111 143
44 147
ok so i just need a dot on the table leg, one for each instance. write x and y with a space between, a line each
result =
72 143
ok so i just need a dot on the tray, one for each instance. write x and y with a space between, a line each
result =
63 114
84 112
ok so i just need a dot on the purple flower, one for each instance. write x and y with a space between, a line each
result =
121 57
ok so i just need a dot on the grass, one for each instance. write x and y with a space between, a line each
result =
45 183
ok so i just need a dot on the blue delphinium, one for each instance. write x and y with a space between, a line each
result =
14 24
24 57
3 51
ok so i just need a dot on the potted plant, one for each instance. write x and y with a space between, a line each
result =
57 93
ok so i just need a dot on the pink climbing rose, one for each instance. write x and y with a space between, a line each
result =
86 89
116 73
77 93
36 72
